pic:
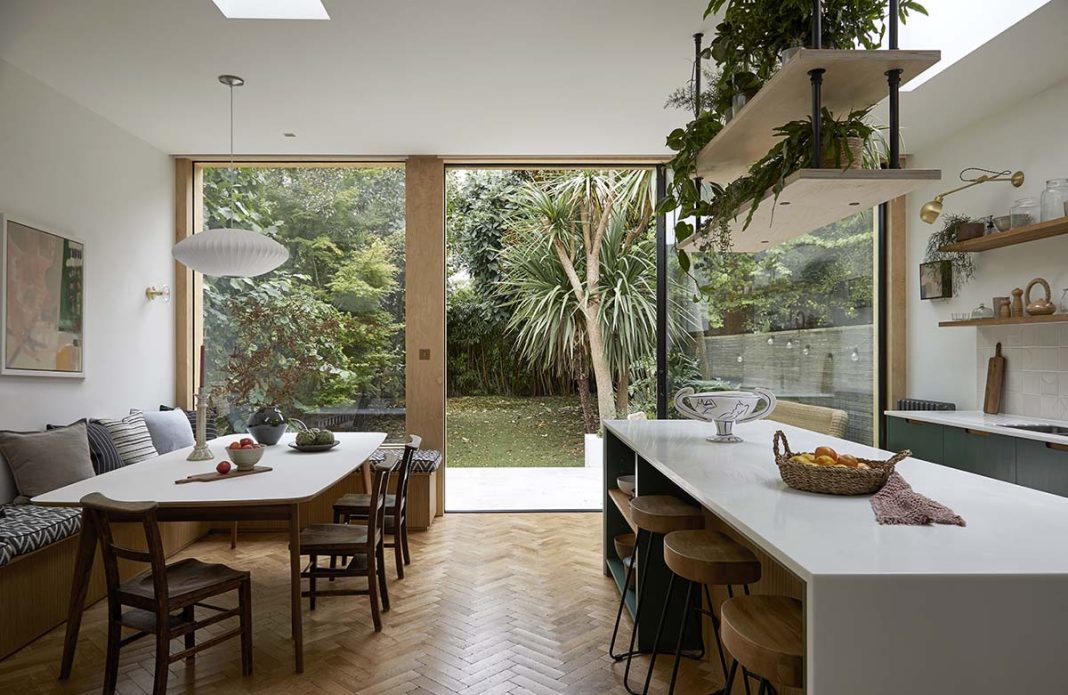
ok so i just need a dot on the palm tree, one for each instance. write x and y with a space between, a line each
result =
581 275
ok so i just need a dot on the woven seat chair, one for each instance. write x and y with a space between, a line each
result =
829 421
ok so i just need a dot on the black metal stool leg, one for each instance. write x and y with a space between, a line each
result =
659 632
730 677
623 602
643 557
715 630
678 643
745 679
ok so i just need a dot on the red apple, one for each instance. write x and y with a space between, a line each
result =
234 445
247 440
223 467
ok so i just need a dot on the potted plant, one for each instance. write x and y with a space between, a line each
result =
962 262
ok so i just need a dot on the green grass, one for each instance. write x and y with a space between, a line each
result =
503 431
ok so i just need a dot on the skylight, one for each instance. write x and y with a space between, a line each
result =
272 9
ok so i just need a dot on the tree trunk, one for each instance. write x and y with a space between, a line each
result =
582 383
602 375
623 395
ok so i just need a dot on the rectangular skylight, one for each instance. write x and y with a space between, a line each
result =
272 9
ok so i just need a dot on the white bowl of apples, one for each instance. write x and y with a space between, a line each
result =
245 453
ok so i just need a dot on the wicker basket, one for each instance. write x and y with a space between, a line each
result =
833 480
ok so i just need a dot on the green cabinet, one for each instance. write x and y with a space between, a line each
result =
986 454
1042 466
923 438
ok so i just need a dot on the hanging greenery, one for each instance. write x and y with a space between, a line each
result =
963 263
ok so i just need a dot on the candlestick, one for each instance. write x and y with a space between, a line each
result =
201 384
201 451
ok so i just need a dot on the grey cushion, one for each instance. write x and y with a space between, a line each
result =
169 429
44 461
131 437
101 448
26 528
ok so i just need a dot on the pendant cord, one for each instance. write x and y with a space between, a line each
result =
233 178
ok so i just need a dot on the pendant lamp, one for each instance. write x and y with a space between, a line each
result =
230 252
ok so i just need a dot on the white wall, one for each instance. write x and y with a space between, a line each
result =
943 362
67 169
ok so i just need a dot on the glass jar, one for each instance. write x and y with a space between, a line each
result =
982 312
1054 198
1064 301
1024 211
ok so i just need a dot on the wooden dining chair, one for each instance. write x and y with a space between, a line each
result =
361 549
163 599
355 506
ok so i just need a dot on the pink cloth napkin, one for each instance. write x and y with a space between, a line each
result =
898 503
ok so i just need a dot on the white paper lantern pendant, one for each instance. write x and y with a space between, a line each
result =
230 252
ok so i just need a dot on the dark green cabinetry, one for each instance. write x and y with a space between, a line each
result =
1042 466
923 438
986 454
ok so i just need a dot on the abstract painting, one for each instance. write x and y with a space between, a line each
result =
41 315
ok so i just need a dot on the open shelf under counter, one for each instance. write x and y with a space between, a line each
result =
1015 320
853 79
622 502
814 198
1020 235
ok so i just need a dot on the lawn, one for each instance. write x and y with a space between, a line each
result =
485 431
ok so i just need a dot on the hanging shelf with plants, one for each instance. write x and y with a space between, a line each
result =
786 147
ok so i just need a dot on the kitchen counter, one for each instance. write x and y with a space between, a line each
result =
980 421
889 609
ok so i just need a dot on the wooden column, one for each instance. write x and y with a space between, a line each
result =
424 305
897 304
188 323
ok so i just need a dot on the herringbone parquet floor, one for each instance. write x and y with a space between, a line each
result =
493 603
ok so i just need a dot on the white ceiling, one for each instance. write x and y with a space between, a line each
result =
454 77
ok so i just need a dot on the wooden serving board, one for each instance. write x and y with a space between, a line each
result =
995 381
215 475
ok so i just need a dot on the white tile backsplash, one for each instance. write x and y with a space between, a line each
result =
1036 375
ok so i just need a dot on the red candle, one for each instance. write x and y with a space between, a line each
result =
202 366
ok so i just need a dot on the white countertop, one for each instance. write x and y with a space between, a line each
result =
1011 530
978 420
295 476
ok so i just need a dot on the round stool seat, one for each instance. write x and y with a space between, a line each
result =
663 514
709 557
764 633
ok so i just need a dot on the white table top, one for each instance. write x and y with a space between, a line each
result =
1011 529
296 477
980 421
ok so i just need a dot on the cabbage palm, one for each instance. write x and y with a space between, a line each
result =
581 277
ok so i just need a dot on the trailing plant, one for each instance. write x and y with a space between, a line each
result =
963 263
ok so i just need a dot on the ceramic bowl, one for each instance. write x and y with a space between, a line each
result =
1003 223
626 484
624 543
245 459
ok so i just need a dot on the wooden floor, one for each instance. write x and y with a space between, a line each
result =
493 603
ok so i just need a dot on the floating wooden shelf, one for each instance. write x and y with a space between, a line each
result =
1052 318
813 198
1020 235
622 502
853 80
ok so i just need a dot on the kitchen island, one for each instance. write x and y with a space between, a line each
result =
888 609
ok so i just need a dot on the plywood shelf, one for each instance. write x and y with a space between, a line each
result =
1052 318
854 79
622 502
813 198
1020 235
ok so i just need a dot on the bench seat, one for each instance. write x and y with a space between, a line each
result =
25 528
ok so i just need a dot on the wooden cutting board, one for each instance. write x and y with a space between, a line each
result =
995 380
216 475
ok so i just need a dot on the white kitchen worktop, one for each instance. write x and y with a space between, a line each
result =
833 535
980 421
888 609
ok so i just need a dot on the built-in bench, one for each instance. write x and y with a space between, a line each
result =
422 486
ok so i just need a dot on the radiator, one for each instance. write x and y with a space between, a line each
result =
920 404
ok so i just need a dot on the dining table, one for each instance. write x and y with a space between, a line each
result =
275 495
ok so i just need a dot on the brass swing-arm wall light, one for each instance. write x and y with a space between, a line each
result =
933 208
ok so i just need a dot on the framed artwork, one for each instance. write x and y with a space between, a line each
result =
42 306
936 280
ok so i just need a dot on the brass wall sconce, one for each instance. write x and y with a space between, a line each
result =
154 293
933 208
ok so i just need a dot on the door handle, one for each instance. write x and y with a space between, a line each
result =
1058 447
976 433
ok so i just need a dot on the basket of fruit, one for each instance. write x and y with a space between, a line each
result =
828 472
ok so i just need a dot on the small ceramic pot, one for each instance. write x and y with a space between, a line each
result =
268 435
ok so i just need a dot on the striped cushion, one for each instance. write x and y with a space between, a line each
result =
102 450
131 438
210 429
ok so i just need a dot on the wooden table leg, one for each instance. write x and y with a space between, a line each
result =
83 567
294 565
365 469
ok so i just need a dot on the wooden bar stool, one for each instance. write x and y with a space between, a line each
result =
764 635
653 515
703 559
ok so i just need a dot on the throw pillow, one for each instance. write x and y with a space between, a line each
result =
210 430
44 461
131 438
169 430
101 449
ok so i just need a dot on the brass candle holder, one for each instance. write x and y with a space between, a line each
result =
201 452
